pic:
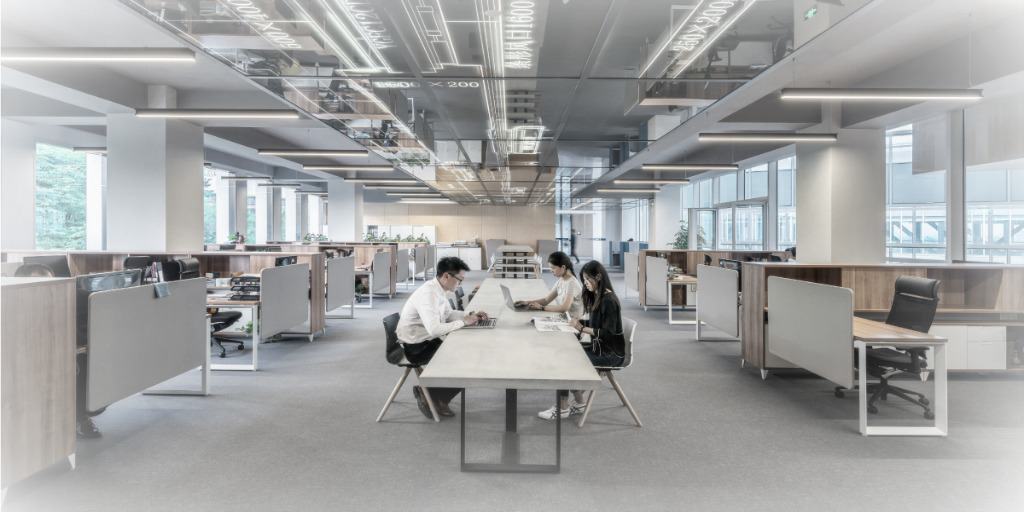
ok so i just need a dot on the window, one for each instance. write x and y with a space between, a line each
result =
786 203
250 206
60 198
705 229
704 194
749 227
755 182
725 227
726 188
915 194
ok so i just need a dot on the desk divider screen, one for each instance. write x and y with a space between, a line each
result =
718 298
137 340
402 272
431 263
657 272
341 282
284 298
811 326
382 273
631 269
420 261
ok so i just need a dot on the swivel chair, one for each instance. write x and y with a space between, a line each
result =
219 321
913 307
395 354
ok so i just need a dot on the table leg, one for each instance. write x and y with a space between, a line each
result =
862 381
255 347
510 442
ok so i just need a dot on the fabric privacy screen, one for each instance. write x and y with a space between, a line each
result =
341 287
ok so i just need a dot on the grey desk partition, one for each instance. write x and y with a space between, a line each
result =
718 299
811 325
382 273
402 272
341 282
431 260
631 269
657 273
420 262
137 340
284 298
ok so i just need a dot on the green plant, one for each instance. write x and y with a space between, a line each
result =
682 240
248 328
314 237
233 238
370 237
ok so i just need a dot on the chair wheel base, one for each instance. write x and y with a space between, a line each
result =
840 393
872 409
929 415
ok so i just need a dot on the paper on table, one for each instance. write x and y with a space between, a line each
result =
551 324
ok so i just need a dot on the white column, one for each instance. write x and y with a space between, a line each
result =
665 217
225 190
240 215
345 211
314 209
95 192
840 201
154 184
956 227
276 228
302 207
290 224
17 186
264 219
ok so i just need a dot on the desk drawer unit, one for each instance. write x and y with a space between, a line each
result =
973 347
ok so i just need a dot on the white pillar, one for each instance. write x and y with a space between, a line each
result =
225 206
154 184
17 186
840 202
290 222
240 215
956 227
95 192
345 213
264 219
302 209
665 217
276 201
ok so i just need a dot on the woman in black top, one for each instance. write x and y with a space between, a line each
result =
607 346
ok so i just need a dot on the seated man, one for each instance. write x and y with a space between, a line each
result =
427 318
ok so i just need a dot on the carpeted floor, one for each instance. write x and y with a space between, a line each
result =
299 435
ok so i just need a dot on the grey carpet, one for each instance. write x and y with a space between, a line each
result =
299 435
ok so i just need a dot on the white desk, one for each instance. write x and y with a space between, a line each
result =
511 356
254 310
686 282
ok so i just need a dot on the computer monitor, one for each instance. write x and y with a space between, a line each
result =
281 261
58 263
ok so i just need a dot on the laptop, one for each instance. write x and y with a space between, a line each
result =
511 304
490 323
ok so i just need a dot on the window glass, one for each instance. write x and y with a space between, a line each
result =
724 234
706 229
786 195
60 198
750 227
210 182
250 206
704 193
915 202
726 188
755 182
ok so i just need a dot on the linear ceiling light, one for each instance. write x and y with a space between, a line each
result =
882 94
689 167
245 178
89 150
383 181
364 168
97 55
628 190
397 187
414 194
314 152
651 182
767 137
279 185
203 113
575 212
425 201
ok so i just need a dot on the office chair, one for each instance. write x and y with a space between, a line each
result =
58 263
33 270
395 355
143 263
913 307
628 328
707 259
219 321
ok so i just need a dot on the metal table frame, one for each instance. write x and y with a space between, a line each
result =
510 442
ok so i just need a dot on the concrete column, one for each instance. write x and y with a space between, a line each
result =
264 218
276 201
345 211
240 213
154 184
290 223
302 207
225 190
840 199
95 192
665 217
956 235
17 186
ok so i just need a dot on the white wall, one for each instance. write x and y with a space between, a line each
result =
345 212
17 186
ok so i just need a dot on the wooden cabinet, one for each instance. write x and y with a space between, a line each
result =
38 364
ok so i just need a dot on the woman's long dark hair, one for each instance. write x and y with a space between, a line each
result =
560 259
596 272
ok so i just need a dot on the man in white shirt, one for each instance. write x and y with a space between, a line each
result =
426 318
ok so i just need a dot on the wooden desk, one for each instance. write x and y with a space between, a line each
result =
869 332
511 356
38 355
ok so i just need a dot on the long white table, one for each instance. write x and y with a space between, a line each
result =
511 356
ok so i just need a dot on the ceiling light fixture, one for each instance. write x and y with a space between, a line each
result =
279 185
338 168
651 182
689 167
426 201
202 113
767 137
628 190
882 94
383 181
314 152
397 187
97 55
414 194
89 150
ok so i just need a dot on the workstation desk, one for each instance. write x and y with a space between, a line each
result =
512 356
653 267
980 312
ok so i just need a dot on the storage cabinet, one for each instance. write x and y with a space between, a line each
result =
973 347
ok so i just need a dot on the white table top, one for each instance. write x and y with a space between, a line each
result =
513 355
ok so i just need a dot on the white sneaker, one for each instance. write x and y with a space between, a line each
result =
577 408
549 414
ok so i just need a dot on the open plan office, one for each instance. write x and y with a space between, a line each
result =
511 255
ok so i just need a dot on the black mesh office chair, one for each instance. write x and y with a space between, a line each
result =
707 260
220 320
143 263
395 354
33 270
913 307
